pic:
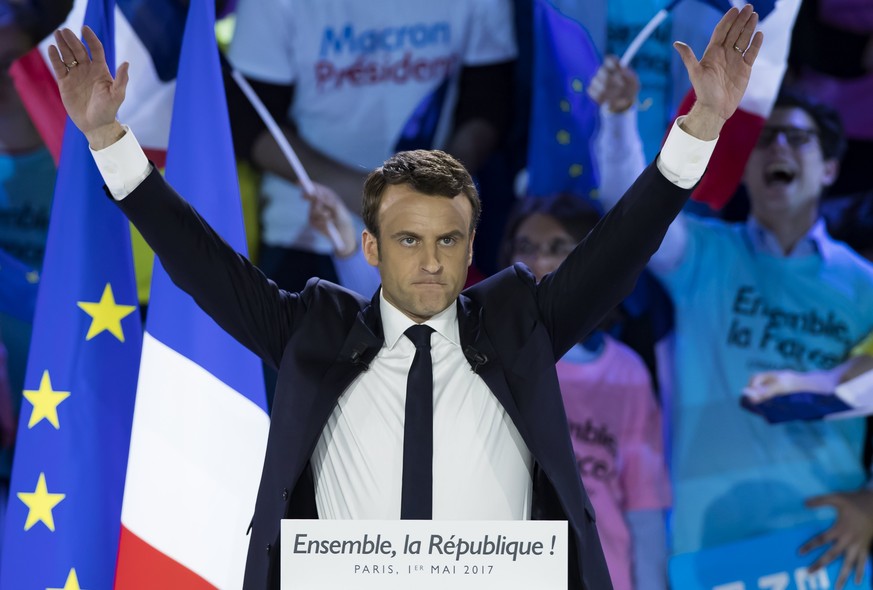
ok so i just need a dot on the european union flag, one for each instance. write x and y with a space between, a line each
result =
563 118
64 512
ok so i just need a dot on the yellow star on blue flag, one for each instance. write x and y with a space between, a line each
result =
106 314
45 402
40 503
72 582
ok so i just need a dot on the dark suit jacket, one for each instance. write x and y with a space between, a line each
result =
511 331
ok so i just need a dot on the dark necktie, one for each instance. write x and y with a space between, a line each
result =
417 493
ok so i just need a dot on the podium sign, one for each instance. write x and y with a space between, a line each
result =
770 562
423 554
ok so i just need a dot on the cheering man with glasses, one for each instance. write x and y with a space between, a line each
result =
775 292
794 136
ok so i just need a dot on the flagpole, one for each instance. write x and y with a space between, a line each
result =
647 31
273 127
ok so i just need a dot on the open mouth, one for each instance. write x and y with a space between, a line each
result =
779 173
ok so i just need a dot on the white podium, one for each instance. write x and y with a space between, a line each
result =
423 554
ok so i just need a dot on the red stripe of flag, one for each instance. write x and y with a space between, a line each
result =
146 568
39 92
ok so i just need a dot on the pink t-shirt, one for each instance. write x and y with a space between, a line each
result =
615 424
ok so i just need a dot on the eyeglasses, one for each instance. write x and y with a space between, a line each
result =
527 250
795 136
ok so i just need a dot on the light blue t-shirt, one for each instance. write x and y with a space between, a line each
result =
740 312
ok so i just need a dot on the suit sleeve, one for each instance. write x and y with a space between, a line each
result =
229 288
604 267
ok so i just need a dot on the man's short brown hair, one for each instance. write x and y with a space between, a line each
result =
430 172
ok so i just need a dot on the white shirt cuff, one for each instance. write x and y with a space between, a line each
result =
684 158
123 165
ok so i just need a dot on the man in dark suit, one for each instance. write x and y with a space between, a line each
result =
499 447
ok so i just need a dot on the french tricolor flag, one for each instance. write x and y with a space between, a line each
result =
200 422
740 133
147 35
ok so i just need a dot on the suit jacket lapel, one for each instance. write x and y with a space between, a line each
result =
360 347
365 337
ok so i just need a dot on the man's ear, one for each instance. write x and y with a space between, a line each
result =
831 171
470 249
370 246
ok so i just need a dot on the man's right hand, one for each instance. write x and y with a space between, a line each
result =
89 93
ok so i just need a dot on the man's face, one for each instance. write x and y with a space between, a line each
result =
424 250
787 172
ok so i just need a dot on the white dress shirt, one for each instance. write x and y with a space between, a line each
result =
482 470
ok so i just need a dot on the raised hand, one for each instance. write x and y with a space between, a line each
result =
614 85
89 93
721 76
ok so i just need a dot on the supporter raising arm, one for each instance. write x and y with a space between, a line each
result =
618 149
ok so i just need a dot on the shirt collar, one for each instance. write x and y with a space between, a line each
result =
815 241
395 322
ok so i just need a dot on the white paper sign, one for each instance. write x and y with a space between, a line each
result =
423 554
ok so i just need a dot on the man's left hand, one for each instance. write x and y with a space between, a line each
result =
850 535
721 76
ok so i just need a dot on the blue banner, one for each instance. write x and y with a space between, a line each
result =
769 562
